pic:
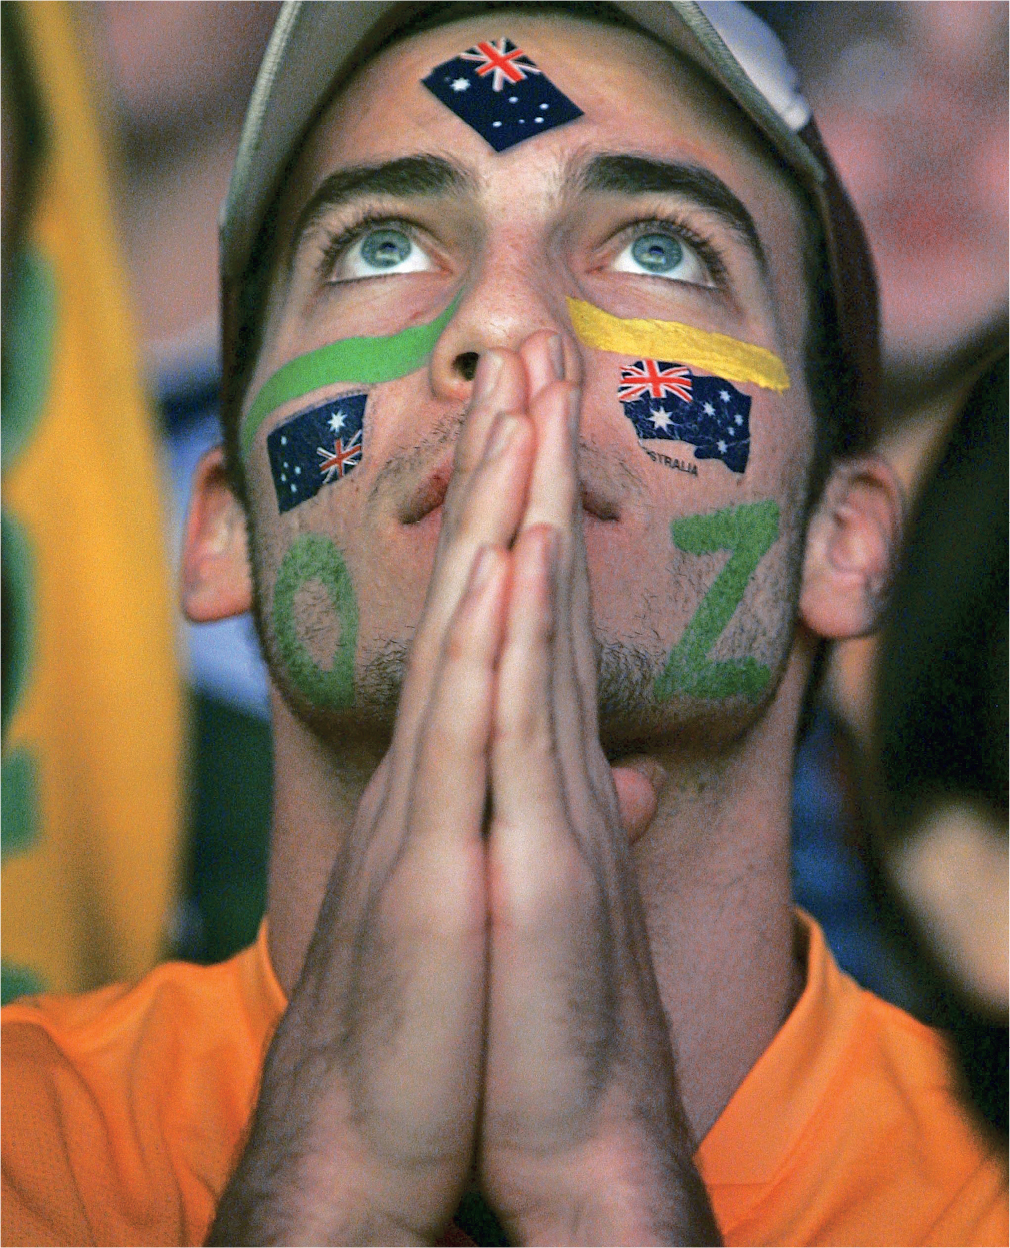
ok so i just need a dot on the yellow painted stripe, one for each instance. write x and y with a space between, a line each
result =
670 340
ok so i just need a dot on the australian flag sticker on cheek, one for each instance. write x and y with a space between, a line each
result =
664 400
317 447
497 90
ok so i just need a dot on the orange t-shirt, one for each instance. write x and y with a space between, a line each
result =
124 1110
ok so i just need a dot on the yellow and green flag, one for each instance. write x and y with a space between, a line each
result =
92 712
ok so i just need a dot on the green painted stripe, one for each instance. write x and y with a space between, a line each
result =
19 801
363 360
29 331
18 981
17 560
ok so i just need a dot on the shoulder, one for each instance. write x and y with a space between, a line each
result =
123 1107
849 1129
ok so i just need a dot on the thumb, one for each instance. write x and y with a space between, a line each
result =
637 781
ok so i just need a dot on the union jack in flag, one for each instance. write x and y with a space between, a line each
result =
341 459
655 379
501 60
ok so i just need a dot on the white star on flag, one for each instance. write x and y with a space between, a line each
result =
708 409
336 421
460 84
660 417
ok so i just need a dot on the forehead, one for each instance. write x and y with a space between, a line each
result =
633 93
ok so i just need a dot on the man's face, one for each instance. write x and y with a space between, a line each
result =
513 234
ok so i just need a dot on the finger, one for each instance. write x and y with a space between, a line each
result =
543 898
430 917
637 800
543 356
455 736
499 385
528 794
488 515
555 498
486 493
583 641
553 489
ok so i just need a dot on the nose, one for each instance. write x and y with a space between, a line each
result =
504 302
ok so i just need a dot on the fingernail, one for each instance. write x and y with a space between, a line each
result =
488 368
557 351
501 436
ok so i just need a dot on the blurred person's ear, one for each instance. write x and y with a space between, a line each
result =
853 539
216 579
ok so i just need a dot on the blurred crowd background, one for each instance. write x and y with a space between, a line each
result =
120 122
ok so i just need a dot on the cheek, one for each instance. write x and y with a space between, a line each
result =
336 572
645 589
683 439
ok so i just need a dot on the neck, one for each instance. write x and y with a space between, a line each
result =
714 874
713 870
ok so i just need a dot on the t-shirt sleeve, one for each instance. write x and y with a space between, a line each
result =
72 1171
978 1214
41 1203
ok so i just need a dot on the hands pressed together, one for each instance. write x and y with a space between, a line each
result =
478 997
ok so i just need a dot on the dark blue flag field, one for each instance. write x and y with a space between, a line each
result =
314 448
664 400
497 90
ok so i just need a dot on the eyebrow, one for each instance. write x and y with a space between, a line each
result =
613 173
643 175
406 177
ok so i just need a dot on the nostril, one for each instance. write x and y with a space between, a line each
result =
465 364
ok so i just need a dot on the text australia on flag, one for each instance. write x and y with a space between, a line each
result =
498 91
315 448
667 401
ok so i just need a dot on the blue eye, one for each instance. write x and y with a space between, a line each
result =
663 255
384 250
657 252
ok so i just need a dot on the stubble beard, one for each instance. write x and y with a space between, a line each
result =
631 717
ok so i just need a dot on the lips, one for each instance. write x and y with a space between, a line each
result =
429 495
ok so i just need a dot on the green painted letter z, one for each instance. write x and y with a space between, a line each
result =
748 532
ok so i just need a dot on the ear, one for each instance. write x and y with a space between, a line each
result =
853 541
216 581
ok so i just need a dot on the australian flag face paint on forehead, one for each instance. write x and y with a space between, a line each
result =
668 401
499 92
316 448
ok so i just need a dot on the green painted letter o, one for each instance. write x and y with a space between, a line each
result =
315 558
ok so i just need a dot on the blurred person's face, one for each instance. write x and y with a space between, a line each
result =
914 112
182 64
